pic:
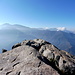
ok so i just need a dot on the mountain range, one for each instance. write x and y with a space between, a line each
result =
11 34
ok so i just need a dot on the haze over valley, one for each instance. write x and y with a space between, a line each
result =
60 37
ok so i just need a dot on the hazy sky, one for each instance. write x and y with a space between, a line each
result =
38 13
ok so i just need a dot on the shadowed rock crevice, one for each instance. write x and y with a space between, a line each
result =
1 69
13 60
52 64
16 64
8 72
18 73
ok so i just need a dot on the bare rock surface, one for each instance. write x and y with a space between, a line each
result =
36 57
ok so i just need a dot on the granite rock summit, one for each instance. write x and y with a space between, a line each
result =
36 57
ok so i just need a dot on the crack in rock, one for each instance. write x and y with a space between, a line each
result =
39 64
13 59
8 72
16 64
18 73
1 69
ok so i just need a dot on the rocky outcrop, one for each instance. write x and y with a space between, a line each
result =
36 57
4 50
16 45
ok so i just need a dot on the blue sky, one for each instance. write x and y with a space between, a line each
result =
38 13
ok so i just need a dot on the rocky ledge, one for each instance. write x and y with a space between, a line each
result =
36 57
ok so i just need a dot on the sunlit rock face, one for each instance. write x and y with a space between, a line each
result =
36 57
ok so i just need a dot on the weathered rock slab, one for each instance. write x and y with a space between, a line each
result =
24 60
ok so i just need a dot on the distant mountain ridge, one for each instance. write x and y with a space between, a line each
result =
11 34
56 29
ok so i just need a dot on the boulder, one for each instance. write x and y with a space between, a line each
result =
62 60
36 43
4 50
16 45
